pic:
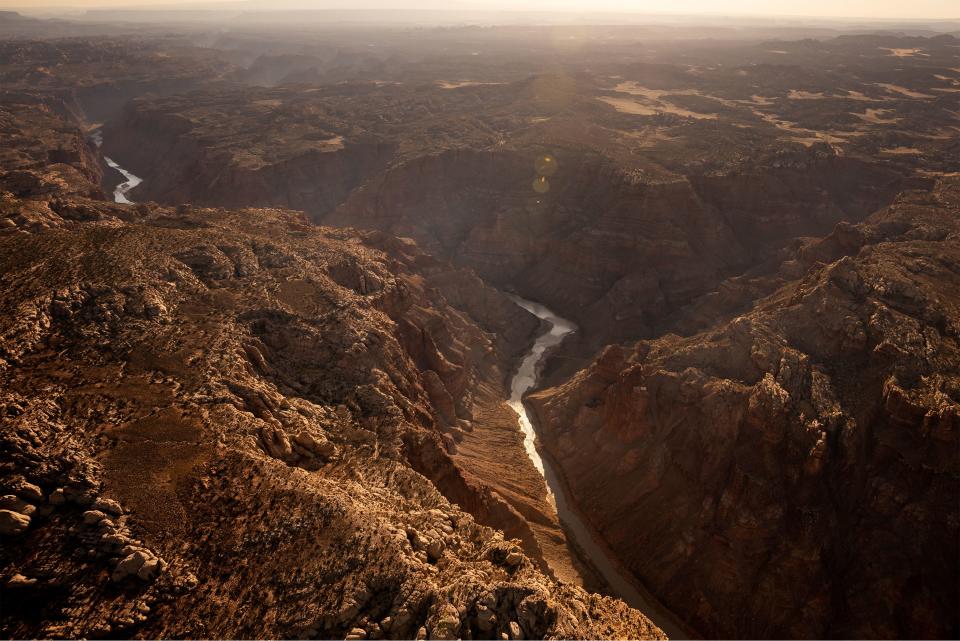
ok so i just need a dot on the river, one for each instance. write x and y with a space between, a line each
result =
596 553
523 381
121 193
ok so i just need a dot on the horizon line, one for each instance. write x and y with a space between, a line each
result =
160 8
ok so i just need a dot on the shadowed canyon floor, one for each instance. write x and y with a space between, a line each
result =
271 391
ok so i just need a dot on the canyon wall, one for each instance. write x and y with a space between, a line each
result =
797 465
619 252
624 240
42 154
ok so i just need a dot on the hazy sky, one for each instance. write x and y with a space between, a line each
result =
827 8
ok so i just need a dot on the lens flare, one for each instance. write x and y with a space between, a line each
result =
545 165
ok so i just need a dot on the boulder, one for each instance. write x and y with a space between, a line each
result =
130 565
435 549
13 523
317 445
447 625
15 503
149 569
28 492
276 442
486 619
108 505
92 517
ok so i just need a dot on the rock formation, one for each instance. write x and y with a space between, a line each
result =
220 419
214 429
766 466
235 424
661 187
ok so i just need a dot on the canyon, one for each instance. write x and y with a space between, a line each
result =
221 386
799 438
285 353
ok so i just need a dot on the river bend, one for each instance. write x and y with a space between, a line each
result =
598 556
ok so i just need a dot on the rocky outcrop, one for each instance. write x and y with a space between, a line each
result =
44 153
792 472
222 388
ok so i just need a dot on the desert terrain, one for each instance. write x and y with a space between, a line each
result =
466 332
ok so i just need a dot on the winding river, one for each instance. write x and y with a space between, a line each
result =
523 381
526 379
121 193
